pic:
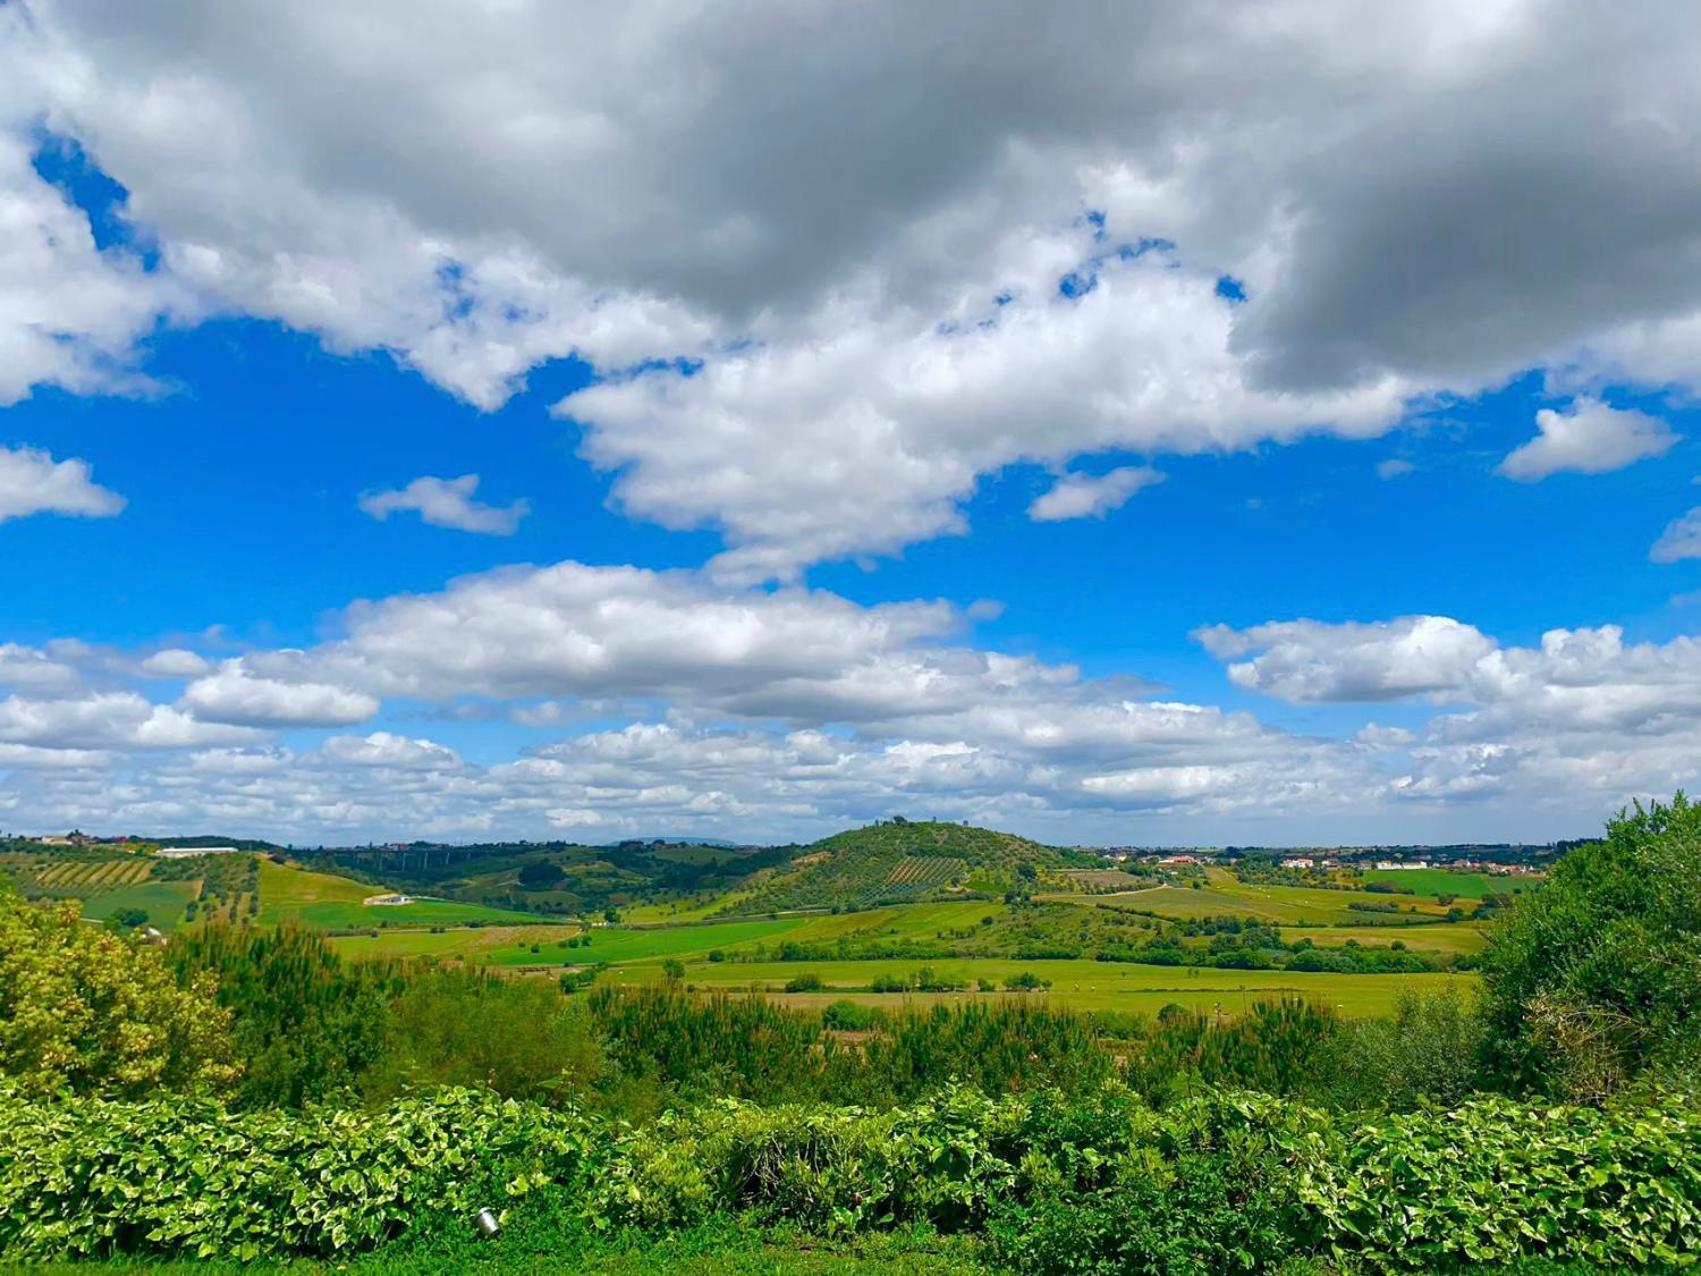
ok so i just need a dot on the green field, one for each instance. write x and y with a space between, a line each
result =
461 943
906 921
1224 895
1084 985
1444 881
621 945
163 902
328 902
1442 937
617 945
635 954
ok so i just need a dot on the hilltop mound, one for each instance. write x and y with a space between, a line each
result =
896 862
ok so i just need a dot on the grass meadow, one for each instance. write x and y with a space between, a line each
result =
1224 895
329 902
1082 985
163 902
1444 881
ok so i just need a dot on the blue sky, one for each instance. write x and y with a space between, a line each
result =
780 436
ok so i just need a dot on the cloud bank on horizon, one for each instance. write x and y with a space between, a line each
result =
830 286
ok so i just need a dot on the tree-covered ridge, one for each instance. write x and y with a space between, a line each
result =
562 878
981 847
902 861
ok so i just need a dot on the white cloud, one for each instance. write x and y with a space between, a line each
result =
32 482
175 662
1084 495
1589 437
1681 539
106 720
875 305
1311 661
236 696
613 632
867 439
1582 716
447 503
35 670
1393 468
70 314
385 749
786 714
27 757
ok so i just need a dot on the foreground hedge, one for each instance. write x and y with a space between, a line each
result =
90 1177
1226 1183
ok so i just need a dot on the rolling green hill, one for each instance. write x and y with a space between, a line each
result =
897 862
291 893
558 878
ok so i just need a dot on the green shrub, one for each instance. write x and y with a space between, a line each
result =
306 1024
181 1176
845 1015
1597 976
1493 1180
832 1170
1286 1048
515 1036
1027 981
1001 1048
1093 1182
1429 1051
85 1010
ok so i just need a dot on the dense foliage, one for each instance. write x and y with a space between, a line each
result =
555 877
89 1011
900 861
1099 1182
184 1175
306 1024
1597 977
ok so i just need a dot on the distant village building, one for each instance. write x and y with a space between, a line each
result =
1179 859
1394 866
184 852
1299 861
386 901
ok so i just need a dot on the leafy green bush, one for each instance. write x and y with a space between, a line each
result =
518 1037
1097 1182
92 1012
1287 1048
93 1178
1597 976
1429 1051
1494 1180
306 1024
846 1015
832 1169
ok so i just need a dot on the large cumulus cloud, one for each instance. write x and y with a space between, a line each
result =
837 236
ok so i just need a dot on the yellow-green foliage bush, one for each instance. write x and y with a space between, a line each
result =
88 1011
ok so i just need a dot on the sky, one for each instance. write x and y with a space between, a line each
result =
1138 424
